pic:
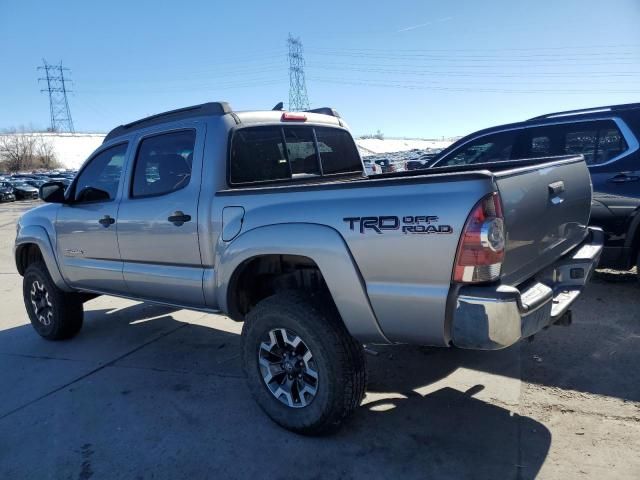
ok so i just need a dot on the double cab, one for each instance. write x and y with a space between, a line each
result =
268 217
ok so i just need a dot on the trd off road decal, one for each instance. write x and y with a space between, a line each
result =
422 224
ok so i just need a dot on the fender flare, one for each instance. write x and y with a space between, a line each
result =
35 234
327 249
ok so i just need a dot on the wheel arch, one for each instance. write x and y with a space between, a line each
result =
311 247
261 276
32 244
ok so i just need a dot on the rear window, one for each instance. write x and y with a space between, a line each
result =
301 152
266 154
337 151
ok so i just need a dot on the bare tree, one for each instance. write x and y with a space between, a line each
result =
21 150
379 135
46 155
16 149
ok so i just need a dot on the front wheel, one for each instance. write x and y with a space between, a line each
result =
54 314
303 367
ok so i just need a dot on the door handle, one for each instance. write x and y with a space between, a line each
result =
556 189
624 178
178 218
106 221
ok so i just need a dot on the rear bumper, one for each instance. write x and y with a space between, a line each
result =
496 316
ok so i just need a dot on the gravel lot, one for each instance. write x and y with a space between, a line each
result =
150 392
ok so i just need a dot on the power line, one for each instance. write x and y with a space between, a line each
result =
574 56
186 78
394 69
180 86
220 67
427 86
494 62
298 98
591 49
60 114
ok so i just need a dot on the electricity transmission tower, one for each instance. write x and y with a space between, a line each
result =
58 104
298 99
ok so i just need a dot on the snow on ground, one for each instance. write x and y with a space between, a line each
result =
72 149
372 146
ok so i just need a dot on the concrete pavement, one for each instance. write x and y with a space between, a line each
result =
150 392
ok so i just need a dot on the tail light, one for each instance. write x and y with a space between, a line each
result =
481 249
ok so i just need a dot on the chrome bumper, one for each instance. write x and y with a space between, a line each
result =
496 316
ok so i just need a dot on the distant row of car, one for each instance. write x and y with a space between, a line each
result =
25 186
399 161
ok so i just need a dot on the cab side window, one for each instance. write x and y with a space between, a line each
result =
99 180
540 146
598 141
490 148
581 140
611 143
539 142
163 163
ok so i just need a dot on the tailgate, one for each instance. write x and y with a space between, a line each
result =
546 212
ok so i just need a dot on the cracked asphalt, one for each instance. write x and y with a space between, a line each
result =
152 392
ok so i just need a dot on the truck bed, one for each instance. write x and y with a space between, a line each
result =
410 271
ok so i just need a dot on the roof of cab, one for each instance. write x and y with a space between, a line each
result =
319 115
276 116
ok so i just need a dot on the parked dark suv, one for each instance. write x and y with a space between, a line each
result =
608 139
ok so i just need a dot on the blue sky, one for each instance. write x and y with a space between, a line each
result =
407 68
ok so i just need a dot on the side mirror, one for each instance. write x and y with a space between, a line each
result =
52 192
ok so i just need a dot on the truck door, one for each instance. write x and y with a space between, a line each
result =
87 244
614 170
616 182
158 230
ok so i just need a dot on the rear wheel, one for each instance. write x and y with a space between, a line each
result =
303 367
54 314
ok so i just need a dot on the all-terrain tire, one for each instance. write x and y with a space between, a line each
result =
54 314
337 357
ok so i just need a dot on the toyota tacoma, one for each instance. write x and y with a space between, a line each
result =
268 217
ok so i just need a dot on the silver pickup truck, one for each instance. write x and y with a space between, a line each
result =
267 217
